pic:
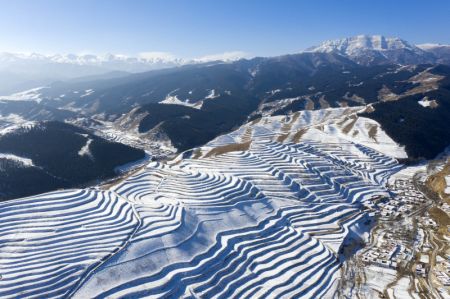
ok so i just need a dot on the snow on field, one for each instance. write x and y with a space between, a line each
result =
377 280
173 100
11 122
197 105
379 141
400 289
87 92
212 94
27 95
335 124
85 150
424 103
263 219
407 172
133 165
21 160
50 241
133 138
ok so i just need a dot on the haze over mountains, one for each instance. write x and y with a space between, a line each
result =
23 71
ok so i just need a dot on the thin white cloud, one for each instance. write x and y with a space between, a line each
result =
226 56
151 56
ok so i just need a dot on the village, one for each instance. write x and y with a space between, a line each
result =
404 242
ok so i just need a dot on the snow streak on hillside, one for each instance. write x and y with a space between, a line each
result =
262 217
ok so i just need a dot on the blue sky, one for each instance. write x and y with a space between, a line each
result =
196 28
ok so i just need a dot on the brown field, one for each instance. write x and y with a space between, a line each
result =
282 138
298 135
323 103
439 216
373 130
247 136
433 104
309 104
255 121
287 126
437 182
197 153
386 95
349 127
235 147
343 104
369 109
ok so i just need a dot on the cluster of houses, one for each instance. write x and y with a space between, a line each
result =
406 199
389 254
134 140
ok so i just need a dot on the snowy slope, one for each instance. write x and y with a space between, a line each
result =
248 215
27 95
331 124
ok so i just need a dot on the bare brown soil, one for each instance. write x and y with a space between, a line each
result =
343 104
369 109
349 126
282 137
323 103
298 135
197 153
373 130
255 121
309 104
235 147
438 184
287 126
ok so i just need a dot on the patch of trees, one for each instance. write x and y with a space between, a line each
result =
187 127
425 132
19 181
54 148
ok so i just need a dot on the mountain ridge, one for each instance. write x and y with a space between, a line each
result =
378 49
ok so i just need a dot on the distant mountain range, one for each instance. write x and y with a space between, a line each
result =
23 71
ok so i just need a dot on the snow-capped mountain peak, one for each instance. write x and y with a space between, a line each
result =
376 49
357 44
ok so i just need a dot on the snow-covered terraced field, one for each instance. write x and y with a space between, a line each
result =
49 242
265 222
